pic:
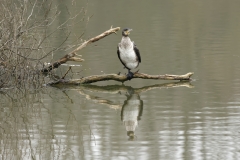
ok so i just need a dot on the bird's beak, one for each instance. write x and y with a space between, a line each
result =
128 31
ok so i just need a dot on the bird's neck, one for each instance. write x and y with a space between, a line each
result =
126 41
126 38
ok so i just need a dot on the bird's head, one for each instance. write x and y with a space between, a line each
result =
126 32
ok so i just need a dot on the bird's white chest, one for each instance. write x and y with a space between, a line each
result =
128 57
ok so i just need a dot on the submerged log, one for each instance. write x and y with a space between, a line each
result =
121 78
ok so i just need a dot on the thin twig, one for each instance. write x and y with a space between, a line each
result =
66 72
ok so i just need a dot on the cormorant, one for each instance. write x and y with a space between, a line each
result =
128 53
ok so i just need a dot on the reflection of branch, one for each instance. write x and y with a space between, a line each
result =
113 89
122 78
165 85
100 100
116 89
72 56
110 89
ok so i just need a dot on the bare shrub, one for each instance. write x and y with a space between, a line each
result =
26 28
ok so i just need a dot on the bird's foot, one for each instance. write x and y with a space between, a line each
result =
129 75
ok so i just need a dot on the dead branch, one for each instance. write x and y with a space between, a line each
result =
66 72
122 78
72 56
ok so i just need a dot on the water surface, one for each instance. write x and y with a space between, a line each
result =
145 119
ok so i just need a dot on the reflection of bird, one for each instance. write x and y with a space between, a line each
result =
128 53
131 113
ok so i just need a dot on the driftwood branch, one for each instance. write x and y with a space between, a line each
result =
72 56
122 78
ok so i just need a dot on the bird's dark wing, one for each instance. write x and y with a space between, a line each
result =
118 52
137 53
